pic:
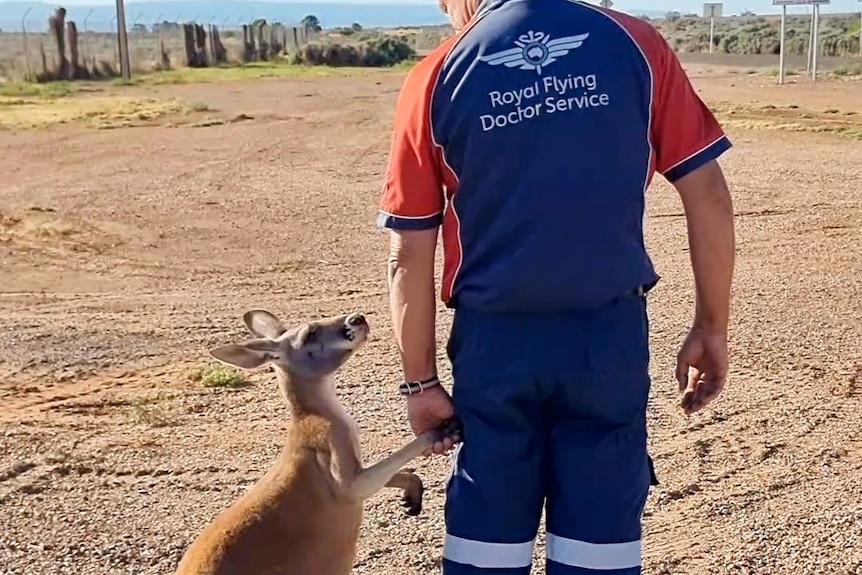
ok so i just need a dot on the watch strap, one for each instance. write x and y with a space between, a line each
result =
408 388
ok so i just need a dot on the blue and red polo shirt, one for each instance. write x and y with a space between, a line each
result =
531 137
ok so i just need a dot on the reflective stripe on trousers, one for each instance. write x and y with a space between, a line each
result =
554 414
570 552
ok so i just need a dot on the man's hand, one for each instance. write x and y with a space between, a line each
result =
702 362
427 410
701 368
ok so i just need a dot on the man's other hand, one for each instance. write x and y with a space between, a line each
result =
701 368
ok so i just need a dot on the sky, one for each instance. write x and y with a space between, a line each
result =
730 6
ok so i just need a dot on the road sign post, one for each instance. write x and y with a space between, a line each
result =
712 10
781 50
810 50
813 45
815 48
860 31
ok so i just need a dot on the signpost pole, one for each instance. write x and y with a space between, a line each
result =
810 42
781 48
815 19
712 10
811 65
711 33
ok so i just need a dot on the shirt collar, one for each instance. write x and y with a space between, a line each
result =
485 6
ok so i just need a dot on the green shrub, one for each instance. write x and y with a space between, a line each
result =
218 375
377 52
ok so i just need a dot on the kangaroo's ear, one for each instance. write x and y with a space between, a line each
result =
262 323
247 354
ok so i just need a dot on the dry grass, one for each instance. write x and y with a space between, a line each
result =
251 71
146 412
109 105
124 104
36 224
792 118
48 91
103 112
854 69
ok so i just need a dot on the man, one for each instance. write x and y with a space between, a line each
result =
531 136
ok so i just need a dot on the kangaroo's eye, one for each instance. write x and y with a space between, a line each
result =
311 334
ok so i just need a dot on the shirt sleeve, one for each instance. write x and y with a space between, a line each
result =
685 135
412 197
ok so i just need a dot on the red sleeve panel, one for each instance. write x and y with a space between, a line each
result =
685 134
413 188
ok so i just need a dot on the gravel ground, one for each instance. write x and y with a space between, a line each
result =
127 253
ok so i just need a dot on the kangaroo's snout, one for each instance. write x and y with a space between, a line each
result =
356 320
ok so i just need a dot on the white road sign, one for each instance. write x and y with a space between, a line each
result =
713 9
798 2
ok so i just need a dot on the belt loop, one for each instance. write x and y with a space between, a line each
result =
646 288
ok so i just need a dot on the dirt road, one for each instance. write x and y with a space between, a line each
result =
127 253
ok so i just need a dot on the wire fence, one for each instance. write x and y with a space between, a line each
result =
158 42
153 43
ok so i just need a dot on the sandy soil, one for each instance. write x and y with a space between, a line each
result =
127 253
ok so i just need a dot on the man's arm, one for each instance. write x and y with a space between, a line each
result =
412 300
411 207
688 141
711 238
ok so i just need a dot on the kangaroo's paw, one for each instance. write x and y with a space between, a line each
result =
411 498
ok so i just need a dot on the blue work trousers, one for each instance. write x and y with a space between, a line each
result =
554 415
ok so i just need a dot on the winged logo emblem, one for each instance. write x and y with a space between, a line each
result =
534 51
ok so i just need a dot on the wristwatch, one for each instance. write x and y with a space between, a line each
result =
412 387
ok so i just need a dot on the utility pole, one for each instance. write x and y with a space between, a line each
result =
123 41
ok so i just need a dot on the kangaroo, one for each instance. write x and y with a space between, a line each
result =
303 516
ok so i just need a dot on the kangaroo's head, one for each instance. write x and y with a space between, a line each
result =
307 352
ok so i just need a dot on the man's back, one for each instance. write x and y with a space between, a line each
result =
543 111
550 118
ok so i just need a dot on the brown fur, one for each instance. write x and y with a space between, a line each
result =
303 516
